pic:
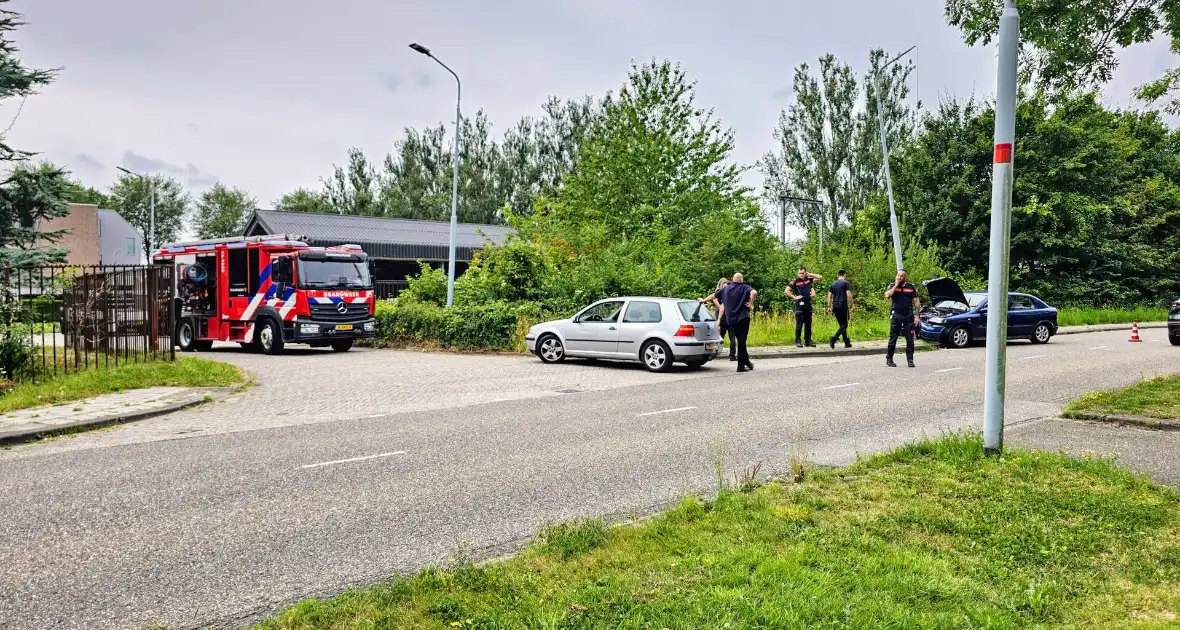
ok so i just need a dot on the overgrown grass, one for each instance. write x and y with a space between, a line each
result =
778 329
1091 316
1154 398
184 372
930 536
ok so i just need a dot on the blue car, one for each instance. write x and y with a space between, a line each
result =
955 319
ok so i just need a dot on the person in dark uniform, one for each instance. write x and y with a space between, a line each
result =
737 302
715 298
840 305
903 316
802 291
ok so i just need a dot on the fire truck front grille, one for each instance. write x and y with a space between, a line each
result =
331 312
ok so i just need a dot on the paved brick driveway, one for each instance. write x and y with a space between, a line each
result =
309 386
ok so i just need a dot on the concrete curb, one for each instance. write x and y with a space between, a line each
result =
1139 421
1077 330
28 435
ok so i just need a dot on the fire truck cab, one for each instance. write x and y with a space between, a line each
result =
267 291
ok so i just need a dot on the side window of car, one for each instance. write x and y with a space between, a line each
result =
1019 303
642 313
605 312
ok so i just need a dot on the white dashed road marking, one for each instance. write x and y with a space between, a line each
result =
353 459
1098 348
1035 356
839 386
947 370
652 413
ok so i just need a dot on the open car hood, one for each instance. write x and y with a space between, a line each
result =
942 289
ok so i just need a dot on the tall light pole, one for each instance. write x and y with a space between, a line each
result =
454 172
1001 228
885 156
152 221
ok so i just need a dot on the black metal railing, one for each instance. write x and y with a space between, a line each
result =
387 289
71 318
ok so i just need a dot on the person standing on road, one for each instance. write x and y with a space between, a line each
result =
903 316
737 303
840 305
802 291
715 298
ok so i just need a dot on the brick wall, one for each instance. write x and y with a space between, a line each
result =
82 239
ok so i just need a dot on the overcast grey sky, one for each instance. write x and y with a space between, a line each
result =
268 94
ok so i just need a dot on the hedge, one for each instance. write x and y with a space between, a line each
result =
489 326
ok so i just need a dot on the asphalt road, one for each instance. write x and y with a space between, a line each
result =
220 528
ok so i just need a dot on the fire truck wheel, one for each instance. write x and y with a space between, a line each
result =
185 337
344 345
270 335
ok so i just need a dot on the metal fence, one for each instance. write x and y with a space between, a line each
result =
80 317
387 289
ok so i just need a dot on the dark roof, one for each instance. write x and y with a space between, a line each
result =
409 239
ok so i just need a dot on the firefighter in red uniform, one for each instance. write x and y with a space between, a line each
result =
903 316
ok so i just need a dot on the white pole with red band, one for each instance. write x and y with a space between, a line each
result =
997 283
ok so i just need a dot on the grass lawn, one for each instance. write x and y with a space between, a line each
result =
773 329
1154 398
932 536
184 372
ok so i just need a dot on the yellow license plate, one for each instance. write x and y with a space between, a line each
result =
344 327
709 347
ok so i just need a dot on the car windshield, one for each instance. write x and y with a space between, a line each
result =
975 299
951 305
694 312
333 274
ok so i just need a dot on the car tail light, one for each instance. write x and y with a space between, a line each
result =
686 330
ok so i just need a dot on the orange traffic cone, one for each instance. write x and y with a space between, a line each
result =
1135 332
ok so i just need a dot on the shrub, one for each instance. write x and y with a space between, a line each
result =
484 326
429 286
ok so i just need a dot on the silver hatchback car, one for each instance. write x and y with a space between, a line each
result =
656 332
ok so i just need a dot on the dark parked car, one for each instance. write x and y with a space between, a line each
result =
955 319
1174 324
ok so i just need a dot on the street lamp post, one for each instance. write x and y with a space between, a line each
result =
1001 229
454 172
885 157
152 220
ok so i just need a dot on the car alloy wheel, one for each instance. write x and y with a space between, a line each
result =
656 356
1041 334
960 337
551 350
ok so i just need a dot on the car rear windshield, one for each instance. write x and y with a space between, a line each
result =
695 312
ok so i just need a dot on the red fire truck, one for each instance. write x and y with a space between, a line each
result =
267 291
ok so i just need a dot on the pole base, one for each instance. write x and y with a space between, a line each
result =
993 452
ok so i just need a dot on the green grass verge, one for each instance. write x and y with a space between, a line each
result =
1154 398
933 535
184 372
775 329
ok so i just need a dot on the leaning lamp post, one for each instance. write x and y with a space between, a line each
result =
454 172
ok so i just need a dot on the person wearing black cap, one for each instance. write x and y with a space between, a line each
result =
903 316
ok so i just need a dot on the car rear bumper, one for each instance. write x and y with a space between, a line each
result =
695 349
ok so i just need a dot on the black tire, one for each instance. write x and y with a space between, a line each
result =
186 336
203 346
1041 334
1175 339
550 349
697 364
270 336
958 337
656 356
251 346
343 345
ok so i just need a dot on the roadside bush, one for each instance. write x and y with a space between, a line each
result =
493 325
428 287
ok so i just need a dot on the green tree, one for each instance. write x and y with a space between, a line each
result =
29 194
222 211
1096 202
77 192
1071 44
304 200
352 189
132 199
829 147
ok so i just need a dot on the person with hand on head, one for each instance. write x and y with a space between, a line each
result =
737 303
716 300
840 305
802 291
903 316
